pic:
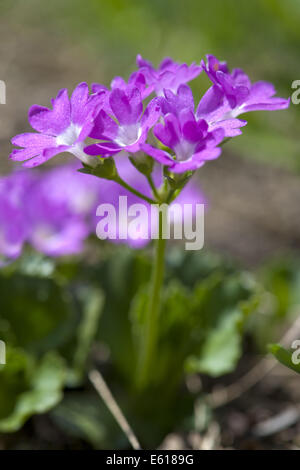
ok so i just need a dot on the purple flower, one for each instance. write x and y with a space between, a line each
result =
61 129
59 209
131 128
241 96
54 211
169 75
210 108
66 186
13 223
188 136
215 109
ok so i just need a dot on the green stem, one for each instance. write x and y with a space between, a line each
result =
152 185
153 310
134 191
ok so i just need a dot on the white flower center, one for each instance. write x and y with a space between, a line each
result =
69 136
184 150
128 135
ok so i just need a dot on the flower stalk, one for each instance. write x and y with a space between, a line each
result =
148 355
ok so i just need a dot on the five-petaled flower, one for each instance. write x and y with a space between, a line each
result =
61 129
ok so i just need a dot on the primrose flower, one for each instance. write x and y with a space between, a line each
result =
54 230
131 128
59 209
66 186
169 75
189 137
54 211
242 96
61 129
211 108
214 108
119 120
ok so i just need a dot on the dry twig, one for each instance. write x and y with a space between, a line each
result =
103 390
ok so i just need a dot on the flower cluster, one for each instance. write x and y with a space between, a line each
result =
127 117
148 128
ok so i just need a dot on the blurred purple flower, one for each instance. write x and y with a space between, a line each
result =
59 209
13 224
54 211
61 129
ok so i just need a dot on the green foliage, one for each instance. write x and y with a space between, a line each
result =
29 387
281 303
72 307
49 326
36 312
200 312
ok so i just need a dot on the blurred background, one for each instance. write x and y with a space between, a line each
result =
253 190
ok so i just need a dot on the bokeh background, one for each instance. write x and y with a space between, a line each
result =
253 189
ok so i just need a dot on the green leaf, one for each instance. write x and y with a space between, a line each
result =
284 356
38 390
37 314
221 349
222 304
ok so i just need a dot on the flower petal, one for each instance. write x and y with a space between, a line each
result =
79 100
20 155
162 157
45 156
104 149
31 139
231 127
169 133
52 122
120 106
196 161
